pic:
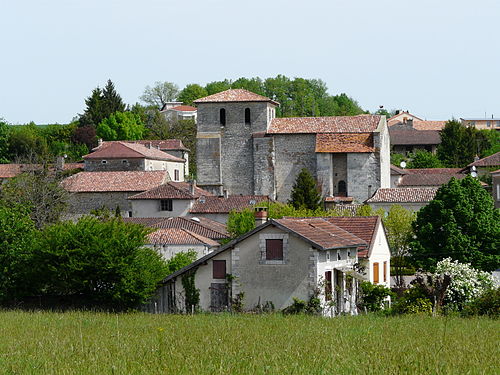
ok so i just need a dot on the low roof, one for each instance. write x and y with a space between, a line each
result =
162 144
172 190
414 137
183 108
429 125
402 113
122 181
403 195
221 205
489 161
178 236
234 95
332 124
201 226
344 142
13 169
430 177
125 150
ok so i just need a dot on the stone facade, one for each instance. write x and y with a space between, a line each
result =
82 203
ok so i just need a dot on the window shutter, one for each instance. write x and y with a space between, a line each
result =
385 272
328 285
219 269
274 249
375 273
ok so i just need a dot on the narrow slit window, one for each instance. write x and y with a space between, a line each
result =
222 117
247 115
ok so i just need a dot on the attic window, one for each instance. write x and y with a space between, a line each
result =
166 205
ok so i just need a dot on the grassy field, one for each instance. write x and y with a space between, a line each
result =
95 343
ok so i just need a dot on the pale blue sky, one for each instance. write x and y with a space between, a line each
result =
437 58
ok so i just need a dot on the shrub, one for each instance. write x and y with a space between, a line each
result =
487 303
373 296
413 301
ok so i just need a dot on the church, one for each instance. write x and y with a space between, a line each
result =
242 148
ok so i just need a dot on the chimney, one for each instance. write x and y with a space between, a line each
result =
410 122
260 214
60 163
192 187
226 193
149 144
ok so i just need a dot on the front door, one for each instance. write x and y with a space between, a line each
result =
219 297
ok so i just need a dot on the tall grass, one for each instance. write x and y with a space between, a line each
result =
97 343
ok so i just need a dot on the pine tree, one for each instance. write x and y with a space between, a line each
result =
111 100
305 192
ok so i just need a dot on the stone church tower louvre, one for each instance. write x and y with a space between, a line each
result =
243 149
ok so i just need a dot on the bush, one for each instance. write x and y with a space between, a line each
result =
413 301
373 296
487 303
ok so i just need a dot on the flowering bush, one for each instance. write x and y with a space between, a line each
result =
466 284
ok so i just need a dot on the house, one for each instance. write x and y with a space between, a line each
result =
243 149
495 187
405 118
402 117
94 190
424 177
482 123
8 171
412 199
409 140
178 111
278 261
168 200
125 156
218 208
485 165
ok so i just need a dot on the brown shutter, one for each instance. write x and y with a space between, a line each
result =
274 249
219 269
328 285
385 272
375 273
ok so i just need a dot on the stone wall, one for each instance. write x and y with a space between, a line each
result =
111 165
83 203
263 166
363 175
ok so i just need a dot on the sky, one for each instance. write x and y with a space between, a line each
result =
436 58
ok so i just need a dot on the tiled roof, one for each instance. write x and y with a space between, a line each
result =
124 181
125 150
12 170
414 137
177 236
403 195
344 142
234 95
339 199
202 226
363 227
443 171
321 232
162 144
335 124
489 161
429 125
418 179
184 108
172 190
221 205
495 172
397 170
394 119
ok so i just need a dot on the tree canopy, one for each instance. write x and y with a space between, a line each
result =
305 192
424 159
160 93
191 92
460 222
121 126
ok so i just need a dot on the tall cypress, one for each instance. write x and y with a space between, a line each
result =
305 193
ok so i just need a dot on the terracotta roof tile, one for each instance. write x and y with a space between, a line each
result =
12 170
334 124
172 190
177 236
429 125
414 137
428 179
489 161
321 232
120 150
403 195
161 144
234 95
124 181
344 142
221 205
183 108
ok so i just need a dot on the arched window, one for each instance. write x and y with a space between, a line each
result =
222 116
247 115
342 188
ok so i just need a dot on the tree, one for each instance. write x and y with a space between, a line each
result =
26 140
191 92
180 260
100 105
305 192
458 146
4 139
111 100
240 222
217 86
424 159
460 222
160 93
103 263
121 126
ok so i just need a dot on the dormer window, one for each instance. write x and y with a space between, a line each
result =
222 117
247 115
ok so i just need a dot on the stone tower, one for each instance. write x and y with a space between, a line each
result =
233 152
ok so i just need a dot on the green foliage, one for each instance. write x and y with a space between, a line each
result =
424 159
121 126
373 296
240 222
17 235
217 86
191 293
100 105
459 144
4 139
105 262
488 303
305 192
489 141
160 93
461 222
25 141
311 307
397 158
180 260
190 93
414 301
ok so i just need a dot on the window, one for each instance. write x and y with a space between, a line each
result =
247 115
166 205
124 161
328 285
222 117
104 161
328 255
385 272
176 175
488 124
342 188
375 273
498 124
274 249
219 269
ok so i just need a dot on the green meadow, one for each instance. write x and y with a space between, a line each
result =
136 343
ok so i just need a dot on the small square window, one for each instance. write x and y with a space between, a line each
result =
274 249
166 205
219 269
124 161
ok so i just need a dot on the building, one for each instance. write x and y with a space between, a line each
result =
412 199
244 149
495 187
178 111
482 123
424 177
485 165
8 171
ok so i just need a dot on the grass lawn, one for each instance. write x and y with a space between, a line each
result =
97 343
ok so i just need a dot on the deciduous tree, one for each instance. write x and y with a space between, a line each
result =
160 93
121 126
190 93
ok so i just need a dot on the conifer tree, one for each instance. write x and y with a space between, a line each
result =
305 193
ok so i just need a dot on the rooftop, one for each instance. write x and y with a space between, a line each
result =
221 205
414 137
172 190
178 236
122 150
332 124
489 161
13 169
430 179
124 181
403 195
184 108
345 142
234 95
